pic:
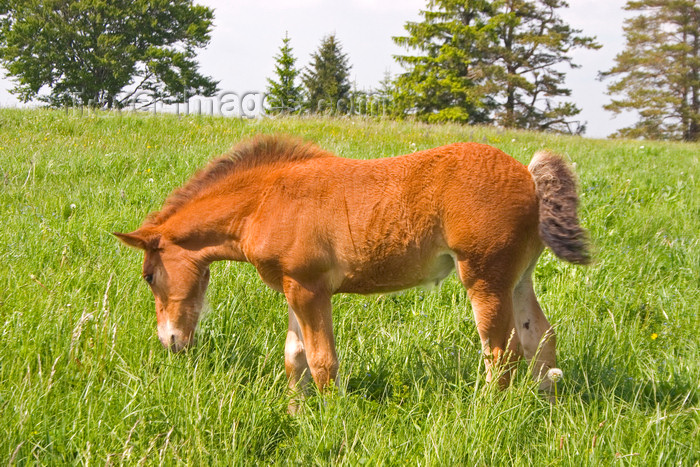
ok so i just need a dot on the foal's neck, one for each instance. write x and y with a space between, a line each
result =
214 225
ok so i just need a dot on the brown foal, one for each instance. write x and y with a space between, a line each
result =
314 224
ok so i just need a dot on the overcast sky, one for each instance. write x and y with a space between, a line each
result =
248 33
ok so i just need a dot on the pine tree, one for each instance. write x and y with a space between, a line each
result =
658 72
284 95
444 81
485 61
327 78
524 73
383 98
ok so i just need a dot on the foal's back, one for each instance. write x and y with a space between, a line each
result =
393 223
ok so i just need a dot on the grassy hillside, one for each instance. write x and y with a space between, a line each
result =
84 380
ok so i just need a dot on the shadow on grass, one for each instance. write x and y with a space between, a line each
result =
394 377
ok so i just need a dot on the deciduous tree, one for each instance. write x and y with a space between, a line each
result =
104 52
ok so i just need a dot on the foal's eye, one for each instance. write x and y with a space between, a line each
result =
148 278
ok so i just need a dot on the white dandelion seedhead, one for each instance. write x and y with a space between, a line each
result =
555 375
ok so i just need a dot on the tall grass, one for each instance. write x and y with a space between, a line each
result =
84 380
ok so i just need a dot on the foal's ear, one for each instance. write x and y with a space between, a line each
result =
138 239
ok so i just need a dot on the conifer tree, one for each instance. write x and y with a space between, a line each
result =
524 76
384 95
284 95
488 60
658 73
444 81
327 78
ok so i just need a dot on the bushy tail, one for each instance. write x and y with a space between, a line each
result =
559 228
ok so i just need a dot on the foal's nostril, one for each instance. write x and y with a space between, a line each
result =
172 339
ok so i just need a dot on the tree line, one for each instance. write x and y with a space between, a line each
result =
498 62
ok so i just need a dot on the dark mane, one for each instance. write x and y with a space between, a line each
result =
262 150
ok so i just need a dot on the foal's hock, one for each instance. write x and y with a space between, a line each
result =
314 224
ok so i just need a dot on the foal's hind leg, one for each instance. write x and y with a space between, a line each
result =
493 312
535 333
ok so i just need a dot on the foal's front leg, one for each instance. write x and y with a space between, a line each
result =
295 363
311 305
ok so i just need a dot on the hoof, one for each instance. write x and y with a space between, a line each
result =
555 375
294 407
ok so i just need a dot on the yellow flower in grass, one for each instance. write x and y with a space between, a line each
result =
654 336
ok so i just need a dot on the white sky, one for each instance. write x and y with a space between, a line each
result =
248 33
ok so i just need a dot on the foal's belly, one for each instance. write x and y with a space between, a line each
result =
397 273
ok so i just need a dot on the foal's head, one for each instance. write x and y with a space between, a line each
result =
193 228
178 278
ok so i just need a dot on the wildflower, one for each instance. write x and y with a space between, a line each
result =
654 336
555 375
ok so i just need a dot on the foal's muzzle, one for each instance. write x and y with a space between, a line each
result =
173 339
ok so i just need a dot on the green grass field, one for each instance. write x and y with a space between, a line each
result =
84 379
